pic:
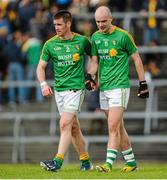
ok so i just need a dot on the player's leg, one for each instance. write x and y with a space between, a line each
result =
127 151
66 122
126 148
79 145
67 112
125 144
111 102
114 123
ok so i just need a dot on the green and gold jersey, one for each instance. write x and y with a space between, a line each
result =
68 61
113 51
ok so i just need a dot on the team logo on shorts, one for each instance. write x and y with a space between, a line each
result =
113 52
76 57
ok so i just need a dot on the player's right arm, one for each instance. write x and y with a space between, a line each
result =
92 68
93 65
45 88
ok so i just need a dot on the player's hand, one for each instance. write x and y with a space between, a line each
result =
143 90
90 84
46 90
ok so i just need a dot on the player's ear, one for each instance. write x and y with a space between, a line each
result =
111 19
69 24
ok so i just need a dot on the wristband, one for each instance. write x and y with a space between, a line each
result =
43 83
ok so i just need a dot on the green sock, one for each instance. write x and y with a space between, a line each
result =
111 156
59 161
129 157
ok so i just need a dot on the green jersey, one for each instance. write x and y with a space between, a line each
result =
68 61
113 51
32 48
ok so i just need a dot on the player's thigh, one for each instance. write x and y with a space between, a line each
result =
69 101
59 97
114 98
118 97
74 100
104 102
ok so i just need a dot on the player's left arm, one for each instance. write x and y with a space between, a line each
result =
131 48
143 91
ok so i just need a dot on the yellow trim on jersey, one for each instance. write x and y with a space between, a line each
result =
128 34
51 39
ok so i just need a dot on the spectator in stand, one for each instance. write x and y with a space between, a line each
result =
37 24
152 70
15 67
136 5
4 27
151 30
119 5
26 11
3 65
49 28
11 12
32 49
152 64
79 7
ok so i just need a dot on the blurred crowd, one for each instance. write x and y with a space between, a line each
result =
26 24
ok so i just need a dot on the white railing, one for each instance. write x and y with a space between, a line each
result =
150 112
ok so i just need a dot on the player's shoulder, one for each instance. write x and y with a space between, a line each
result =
96 33
123 31
51 40
80 36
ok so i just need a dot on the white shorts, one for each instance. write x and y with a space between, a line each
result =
69 101
114 98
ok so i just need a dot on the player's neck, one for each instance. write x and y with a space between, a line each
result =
68 36
112 28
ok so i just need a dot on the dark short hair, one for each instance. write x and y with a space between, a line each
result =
66 15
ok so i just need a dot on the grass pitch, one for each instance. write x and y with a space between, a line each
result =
30 171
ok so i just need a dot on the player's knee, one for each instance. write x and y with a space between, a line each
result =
114 128
64 126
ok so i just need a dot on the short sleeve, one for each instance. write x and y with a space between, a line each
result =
94 49
87 46
45 55
129 44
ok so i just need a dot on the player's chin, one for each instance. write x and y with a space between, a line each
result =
59 33
102 30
